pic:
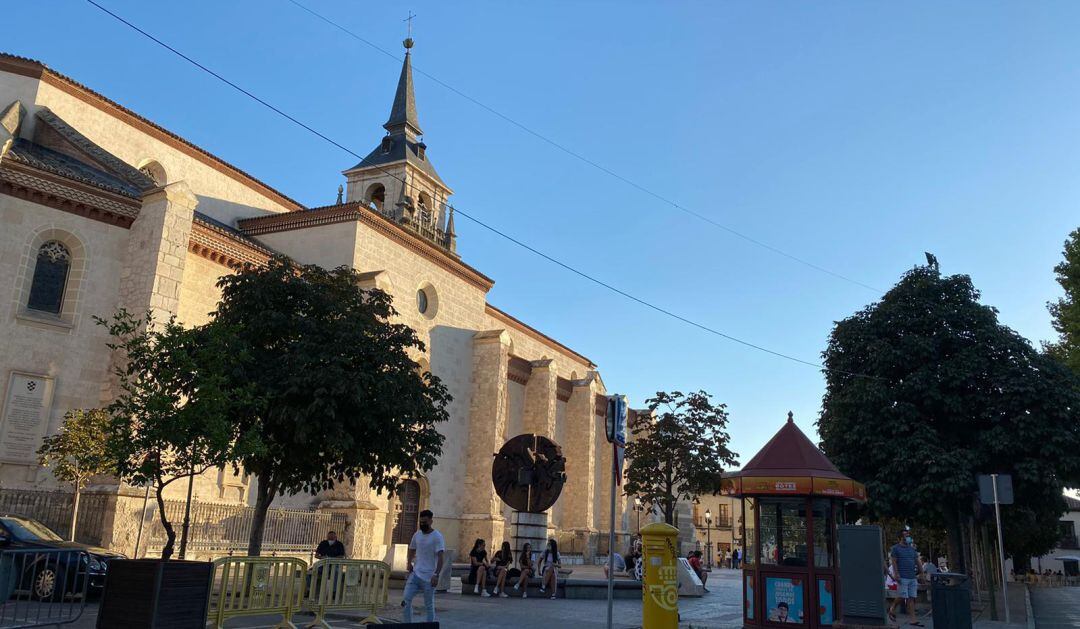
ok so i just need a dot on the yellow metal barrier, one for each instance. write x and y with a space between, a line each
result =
347 584
256 586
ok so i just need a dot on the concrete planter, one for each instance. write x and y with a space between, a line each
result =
155 594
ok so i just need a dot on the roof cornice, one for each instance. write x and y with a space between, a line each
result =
521 326
38 70
357 212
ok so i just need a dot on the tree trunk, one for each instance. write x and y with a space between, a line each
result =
263 497
170 533
954 539
75 511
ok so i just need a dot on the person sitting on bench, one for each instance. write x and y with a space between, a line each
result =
549 568
478 567
525 564
503 560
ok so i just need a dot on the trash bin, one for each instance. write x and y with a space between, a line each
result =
950 595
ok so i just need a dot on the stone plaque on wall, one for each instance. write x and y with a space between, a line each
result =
26 417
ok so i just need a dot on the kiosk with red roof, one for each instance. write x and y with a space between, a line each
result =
792 499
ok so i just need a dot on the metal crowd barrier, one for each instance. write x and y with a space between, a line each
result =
347 584
45 587
256 586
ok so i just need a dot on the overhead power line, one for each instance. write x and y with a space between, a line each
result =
565 149
473 218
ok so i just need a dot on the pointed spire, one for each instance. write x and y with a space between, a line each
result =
403 116
451 235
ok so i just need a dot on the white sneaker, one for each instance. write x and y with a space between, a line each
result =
524 595
485 594
552 597
503 595
541 590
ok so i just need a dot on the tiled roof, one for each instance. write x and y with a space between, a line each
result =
37 69
401 149
1073 503
234 233
26 152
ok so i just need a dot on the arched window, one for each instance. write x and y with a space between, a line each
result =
424 201
50 278
376 195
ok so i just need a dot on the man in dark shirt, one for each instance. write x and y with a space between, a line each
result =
330 547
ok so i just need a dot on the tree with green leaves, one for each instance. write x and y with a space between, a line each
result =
678 450
337 396
172 417
1066 310
78 452
925 389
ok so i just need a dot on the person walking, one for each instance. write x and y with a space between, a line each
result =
425 563
330 547
905 563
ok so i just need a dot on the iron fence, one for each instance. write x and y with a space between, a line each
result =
54 508
571 543
46 587
223 528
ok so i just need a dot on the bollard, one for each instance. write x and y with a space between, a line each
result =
660 588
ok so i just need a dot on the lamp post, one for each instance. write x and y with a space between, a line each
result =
637 508
708 537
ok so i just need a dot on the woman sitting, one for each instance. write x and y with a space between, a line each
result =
525 564
478 568
549 568
503 560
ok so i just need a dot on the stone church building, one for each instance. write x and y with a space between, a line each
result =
100 208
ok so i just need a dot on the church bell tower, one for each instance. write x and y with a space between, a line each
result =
397 178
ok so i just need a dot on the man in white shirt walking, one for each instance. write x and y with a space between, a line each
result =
426 552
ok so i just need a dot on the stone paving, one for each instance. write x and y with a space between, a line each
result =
1056 608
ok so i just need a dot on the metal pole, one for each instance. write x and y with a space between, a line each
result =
1001 550
611 539
142 518
187 515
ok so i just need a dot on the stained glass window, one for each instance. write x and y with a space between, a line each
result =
50 278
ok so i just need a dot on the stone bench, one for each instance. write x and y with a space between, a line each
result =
532 586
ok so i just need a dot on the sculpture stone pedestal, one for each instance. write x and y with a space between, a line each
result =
528 528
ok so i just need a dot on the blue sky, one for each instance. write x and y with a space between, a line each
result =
853 135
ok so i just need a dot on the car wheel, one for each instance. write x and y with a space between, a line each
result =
48 584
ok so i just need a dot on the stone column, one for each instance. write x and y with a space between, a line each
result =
540 399
539 417
482 511
580 490
365 522
123 510
157 250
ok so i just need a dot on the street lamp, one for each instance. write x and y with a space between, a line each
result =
638 508
708 537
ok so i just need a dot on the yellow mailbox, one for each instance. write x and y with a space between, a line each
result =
660 593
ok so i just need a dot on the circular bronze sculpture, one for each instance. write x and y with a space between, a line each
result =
529 472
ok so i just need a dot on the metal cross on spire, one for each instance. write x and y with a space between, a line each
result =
409 21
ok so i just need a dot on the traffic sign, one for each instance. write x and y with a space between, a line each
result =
1004 489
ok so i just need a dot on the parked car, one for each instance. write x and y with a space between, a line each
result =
50 576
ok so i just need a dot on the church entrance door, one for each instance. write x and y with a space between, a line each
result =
406 512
